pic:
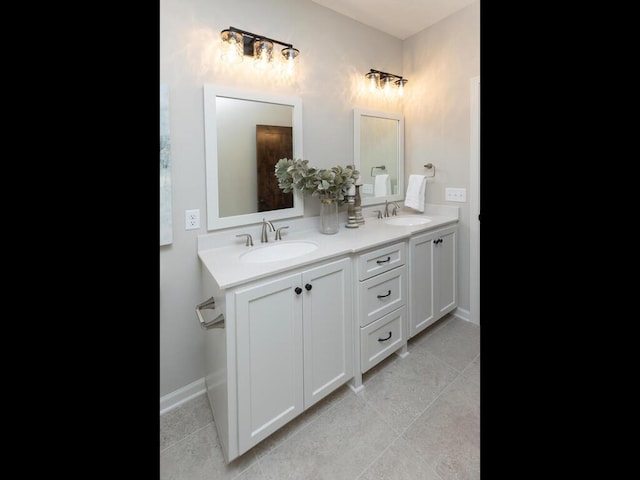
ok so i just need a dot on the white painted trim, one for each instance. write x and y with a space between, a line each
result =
463 314
182 395
474 203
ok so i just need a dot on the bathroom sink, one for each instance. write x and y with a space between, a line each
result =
408 221
282 250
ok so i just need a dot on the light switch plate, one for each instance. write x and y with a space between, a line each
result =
455 194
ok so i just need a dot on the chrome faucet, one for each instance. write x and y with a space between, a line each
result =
386 208
266 223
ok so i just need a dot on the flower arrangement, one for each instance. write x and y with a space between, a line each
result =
333 182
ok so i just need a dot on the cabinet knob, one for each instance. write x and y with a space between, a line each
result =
308 286
298 290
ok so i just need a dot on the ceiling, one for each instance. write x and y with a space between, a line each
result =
399 18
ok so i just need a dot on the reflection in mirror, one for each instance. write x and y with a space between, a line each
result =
379 155
246 133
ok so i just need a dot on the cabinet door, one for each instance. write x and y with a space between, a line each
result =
269 340
421 249
445 273
328 329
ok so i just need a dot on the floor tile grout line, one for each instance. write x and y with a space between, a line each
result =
449 365
399 436
431 403
384 420
401 432
375 459
259 460
358 398
314 418
256 461
459 374
187 436
443 391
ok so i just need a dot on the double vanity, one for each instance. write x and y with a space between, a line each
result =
294 319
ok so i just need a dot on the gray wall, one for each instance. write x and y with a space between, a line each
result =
336 52
440 62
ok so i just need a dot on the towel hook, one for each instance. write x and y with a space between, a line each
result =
430 166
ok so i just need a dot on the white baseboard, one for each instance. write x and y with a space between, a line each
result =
463 314
182 395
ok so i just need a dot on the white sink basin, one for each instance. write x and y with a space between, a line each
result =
408 221
281 250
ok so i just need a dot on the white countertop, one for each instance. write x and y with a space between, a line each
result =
224 264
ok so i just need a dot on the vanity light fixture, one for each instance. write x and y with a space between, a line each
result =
383 80
242 43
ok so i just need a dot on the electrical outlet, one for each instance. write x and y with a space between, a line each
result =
191 219
455 194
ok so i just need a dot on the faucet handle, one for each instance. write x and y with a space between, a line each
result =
396 207
249 242
379 212
278 234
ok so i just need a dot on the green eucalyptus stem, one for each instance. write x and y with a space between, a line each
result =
333 182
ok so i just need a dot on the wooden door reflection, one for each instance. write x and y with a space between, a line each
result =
273 143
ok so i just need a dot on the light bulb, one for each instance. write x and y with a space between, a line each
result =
262 52
290 55
373 81
232 46
386 84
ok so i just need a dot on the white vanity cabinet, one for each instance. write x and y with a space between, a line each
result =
382 300
433 277
292 334
282 335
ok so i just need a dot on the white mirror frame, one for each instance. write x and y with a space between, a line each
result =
214 220
358 113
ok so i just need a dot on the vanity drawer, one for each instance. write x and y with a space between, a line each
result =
382 294
381 338
381 260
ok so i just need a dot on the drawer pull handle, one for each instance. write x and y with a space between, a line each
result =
383 296
380 262
385 339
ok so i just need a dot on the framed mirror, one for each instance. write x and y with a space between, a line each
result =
378 153
246 133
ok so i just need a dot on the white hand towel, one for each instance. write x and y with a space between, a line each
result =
382 187
416 192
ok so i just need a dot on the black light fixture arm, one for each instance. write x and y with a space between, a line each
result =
381 73
259 37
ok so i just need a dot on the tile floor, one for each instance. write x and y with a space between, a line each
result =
418 418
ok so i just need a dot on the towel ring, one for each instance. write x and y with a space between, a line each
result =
430 166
